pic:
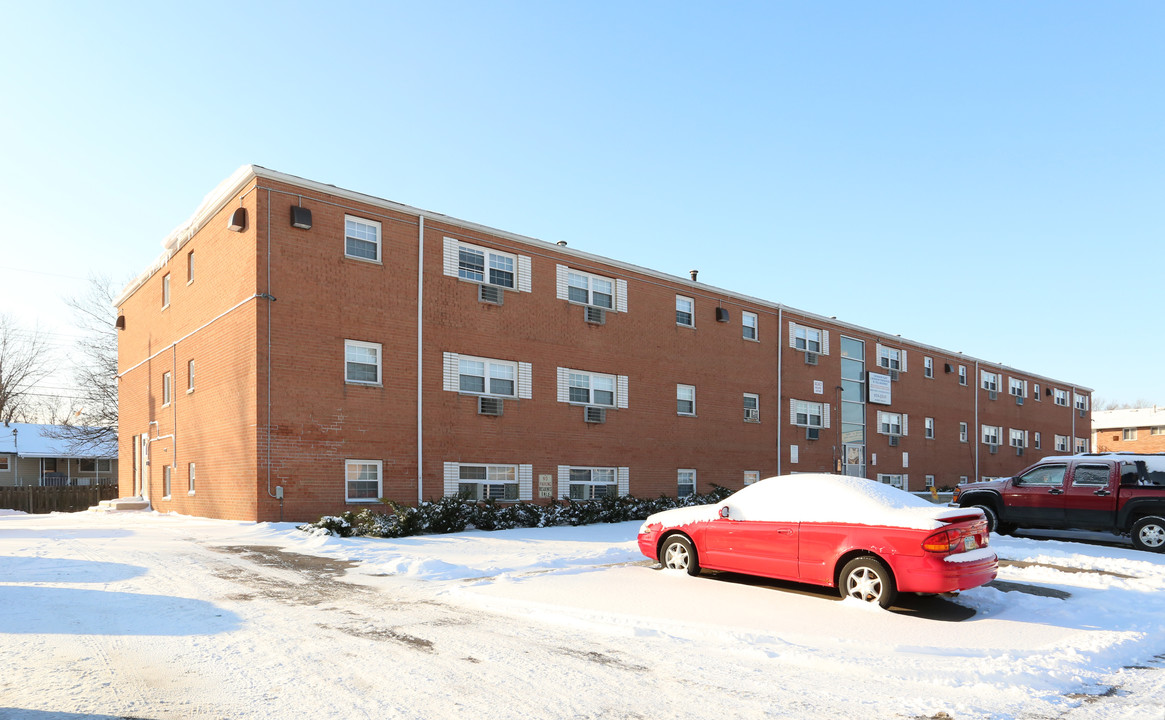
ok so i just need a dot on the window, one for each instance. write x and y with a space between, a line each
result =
1157 430
361 362
1036 441
1061 443
1045 475
189 267
808 339
989 381
751 407
928 367
487 377
590 289
808 414
991 434
166 391
748 323
189 376
929 422
485 266
4 466
962 432
1081 402
588 483
889 358
167 473
1091 475
685 309
962 374
1017 438
1060 397
1036 392
488 482
362 480
751 476
1129 434
892 480
929 481
190 479
686 399
1081 446
890 423
166 291
361 238
1017 387
85 466
686 484
591 388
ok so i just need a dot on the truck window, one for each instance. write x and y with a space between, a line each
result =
1094 475
1148 472
1129 474
1046 475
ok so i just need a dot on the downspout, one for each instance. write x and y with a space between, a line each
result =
780 396
174 412
420 357
266 295
976 431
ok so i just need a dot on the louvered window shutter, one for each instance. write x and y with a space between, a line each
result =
564 481
903 361
525 382
824 342
523 273
621 391
452 479
452 380
526 482
560 284
792 334
451 257
905 420
825 414
621 296
624 475
563 388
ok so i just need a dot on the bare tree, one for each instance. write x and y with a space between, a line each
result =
24 362
91 426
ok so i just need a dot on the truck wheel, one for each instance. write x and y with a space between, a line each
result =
992 518
1149 534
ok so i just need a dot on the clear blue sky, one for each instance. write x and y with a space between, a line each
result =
984 177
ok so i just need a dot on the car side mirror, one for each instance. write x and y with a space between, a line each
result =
724 512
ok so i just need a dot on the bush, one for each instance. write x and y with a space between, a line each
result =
454 514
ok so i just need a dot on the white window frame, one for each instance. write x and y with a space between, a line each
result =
190 376
166 291
1081 401
5 463
190 479
1036 440
1036 392
167 389
804 339
963 432
1129 434
685 393
991 434
1017 438
963 375
928 481
358 229
749 322
1060 397
361 345
489 367
751 477
690 312
587 487
1061 443
805 412
887 421
573 377
348 479
989 381
890 358
167 481
685 477
1081 445
893 480
589 280
754 415
491 260
928 367
499 478
190 267
1157 430
1017 387
929 428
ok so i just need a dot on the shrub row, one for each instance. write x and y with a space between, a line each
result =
454 514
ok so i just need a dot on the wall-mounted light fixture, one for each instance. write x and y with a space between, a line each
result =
300 217
238 221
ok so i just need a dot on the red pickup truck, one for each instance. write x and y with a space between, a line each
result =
1120 492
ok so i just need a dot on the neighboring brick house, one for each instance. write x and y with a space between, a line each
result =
1129 430
34 455
300 349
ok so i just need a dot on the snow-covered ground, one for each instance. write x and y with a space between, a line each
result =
141 615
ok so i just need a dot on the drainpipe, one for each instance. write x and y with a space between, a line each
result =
976 431
780 396
420 358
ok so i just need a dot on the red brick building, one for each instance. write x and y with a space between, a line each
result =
1129 430
300 349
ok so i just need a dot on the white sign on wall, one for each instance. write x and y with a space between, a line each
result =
818 387
879 388
794 453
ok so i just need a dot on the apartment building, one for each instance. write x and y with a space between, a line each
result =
1129 430
299 349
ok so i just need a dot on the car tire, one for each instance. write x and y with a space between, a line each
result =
868 579
1149 534
677 553
992 518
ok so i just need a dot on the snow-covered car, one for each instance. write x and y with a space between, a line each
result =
869 540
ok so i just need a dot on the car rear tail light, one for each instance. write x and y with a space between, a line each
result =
941 541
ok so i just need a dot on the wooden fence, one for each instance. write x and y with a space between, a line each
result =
32 499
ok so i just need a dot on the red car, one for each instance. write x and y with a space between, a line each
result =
869 540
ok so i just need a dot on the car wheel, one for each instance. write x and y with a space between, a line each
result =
868 579
1149 534
678 554
992 518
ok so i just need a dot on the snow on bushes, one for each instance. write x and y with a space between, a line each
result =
454 514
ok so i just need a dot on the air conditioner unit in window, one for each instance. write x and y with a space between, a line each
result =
992 394
1081 412
490 406
1019 452
894 375
751 415
490 294
810 357
992 449
893 441
594 414
596 315
812 433
1019 399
